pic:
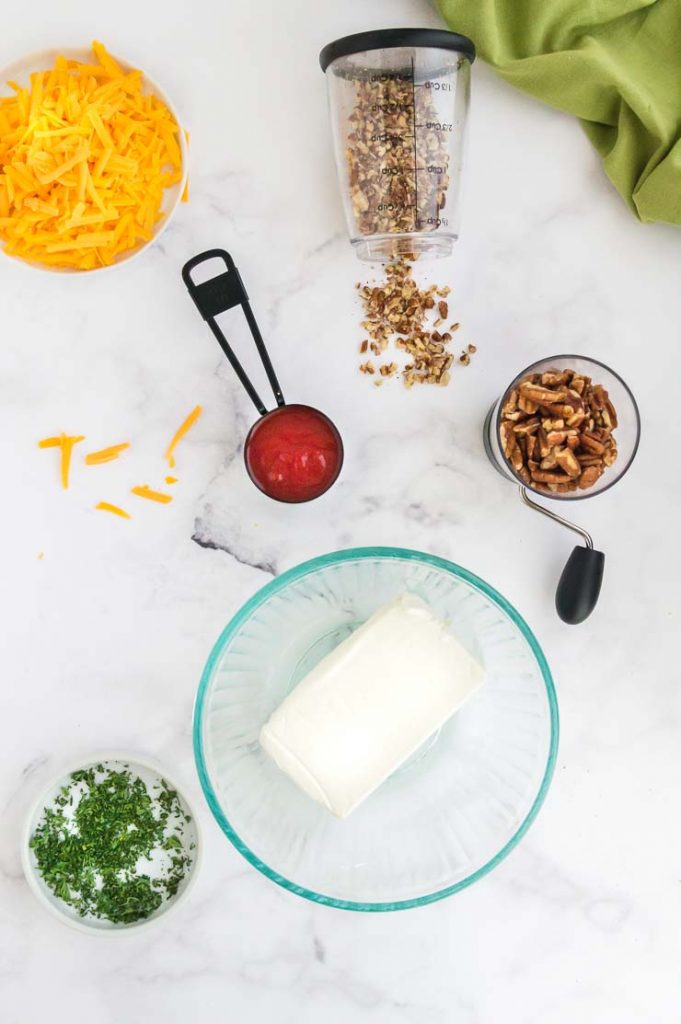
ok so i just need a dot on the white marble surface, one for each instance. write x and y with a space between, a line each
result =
104 638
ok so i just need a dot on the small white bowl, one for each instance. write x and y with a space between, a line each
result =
149 772
20 71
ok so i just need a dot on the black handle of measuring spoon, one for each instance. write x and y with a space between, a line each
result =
580 585
215 296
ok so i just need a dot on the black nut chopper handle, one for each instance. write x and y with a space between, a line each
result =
580 582
218 294
579 585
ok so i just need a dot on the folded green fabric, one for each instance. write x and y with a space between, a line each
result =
616 64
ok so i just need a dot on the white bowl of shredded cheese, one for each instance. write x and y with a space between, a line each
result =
112 188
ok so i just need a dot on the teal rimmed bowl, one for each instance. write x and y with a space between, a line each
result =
447 816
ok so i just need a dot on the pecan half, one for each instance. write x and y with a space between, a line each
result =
568 462
591 443
589 477
541 395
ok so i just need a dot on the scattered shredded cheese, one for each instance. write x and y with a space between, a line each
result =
85 158
65 443
179 434
105 454
105 506
145 491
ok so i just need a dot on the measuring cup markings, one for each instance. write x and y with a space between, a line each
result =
416 177
393 139
436 86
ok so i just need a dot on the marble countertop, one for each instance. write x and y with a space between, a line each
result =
104 637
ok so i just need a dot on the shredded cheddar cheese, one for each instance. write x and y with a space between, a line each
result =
144 491
185 193
105 454
65 443
179 434
105 506
85 157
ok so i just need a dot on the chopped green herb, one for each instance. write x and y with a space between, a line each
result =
94 846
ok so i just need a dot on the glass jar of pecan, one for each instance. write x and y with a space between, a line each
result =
398 100
567 427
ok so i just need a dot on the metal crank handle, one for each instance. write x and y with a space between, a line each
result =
580 583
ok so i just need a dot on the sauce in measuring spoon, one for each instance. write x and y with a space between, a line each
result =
293 453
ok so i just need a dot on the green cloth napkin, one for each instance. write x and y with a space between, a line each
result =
616 64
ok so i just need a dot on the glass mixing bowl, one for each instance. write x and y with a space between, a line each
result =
448 815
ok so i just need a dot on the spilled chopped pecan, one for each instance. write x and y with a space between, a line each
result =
399 312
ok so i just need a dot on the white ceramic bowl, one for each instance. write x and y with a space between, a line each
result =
20 71
149 772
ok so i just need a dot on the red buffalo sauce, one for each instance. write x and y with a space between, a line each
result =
293 453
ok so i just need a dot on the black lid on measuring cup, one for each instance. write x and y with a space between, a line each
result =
436 38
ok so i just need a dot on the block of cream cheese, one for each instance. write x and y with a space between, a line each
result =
370 703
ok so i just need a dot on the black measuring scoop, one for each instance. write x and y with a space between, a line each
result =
293 453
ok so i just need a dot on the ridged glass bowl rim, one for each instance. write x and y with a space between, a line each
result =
280 583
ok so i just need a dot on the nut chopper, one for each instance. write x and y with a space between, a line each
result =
580 582
293 453
398 100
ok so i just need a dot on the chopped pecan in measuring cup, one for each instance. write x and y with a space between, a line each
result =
396 185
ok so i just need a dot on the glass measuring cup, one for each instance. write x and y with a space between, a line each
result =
398 100
580 583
